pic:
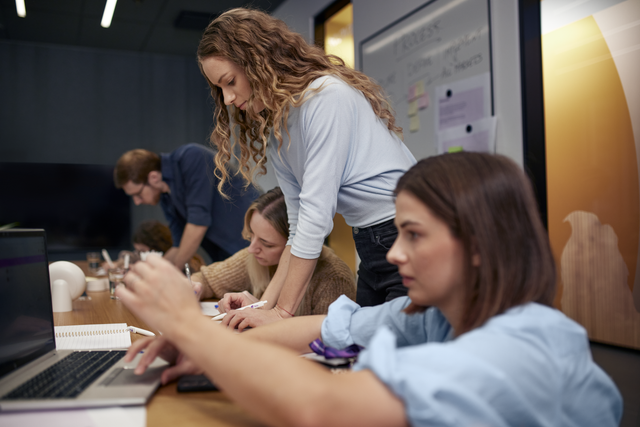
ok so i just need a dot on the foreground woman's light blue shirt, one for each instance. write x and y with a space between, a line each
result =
530 366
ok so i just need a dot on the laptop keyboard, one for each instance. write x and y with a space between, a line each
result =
68 377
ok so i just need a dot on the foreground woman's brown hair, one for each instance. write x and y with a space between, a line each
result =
489 205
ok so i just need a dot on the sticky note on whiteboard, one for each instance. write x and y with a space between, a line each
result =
414 125
419 89
413 108
423 101
412 93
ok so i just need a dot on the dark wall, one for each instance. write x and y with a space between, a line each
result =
63 104
74 105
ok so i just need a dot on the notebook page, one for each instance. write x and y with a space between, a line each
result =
209 308
85 337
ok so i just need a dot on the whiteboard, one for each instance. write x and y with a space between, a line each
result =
441 45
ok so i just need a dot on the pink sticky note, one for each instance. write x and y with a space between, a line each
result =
412 92
423 101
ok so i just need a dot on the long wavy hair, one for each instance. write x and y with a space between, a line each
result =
279 65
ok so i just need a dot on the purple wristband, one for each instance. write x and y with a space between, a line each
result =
319 348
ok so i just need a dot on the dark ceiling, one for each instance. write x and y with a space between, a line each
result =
155 26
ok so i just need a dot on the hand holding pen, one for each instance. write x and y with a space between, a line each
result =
233 300
196 286
254 305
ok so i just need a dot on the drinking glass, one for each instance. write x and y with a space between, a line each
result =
93 258
115 278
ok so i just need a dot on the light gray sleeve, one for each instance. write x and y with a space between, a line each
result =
291 191
327 128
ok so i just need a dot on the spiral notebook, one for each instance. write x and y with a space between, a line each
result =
92 337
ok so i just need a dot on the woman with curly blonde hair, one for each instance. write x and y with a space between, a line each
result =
332 140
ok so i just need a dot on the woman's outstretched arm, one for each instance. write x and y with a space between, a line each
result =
296 333
270 381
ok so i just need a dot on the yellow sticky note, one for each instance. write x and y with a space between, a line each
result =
414 126
419 89
413 108
455 149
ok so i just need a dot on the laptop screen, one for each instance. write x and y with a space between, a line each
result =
26 316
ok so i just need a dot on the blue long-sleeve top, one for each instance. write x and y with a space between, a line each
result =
337 157
530 366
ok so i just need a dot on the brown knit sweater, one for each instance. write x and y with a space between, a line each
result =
331 278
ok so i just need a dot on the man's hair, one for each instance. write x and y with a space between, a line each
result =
135 166
488 204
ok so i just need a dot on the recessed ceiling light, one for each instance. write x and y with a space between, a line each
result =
21 9
109 8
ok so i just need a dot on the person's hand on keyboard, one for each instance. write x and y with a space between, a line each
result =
160 347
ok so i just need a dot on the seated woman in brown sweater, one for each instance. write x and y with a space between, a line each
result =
251 269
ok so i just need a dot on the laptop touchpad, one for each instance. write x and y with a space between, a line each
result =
121 376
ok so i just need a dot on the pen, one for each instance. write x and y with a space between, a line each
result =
254 305
140 331
187 271
107 258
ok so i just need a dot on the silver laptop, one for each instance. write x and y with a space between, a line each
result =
33 374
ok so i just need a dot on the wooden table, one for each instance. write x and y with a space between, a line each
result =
167 407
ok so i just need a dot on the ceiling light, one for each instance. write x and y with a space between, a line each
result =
109 8
21 9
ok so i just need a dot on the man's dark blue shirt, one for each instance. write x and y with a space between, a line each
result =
194 198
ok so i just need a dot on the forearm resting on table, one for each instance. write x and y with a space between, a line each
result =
281 388
189 244
290 282
296 333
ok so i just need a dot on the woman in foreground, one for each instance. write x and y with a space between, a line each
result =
489 351
250 270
